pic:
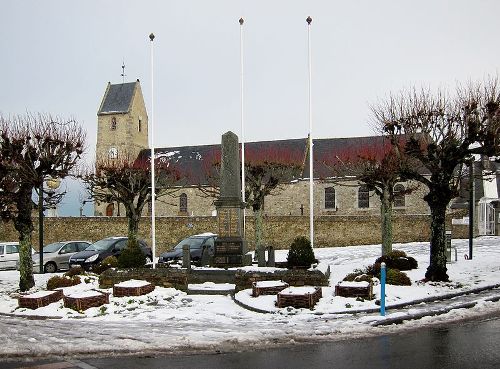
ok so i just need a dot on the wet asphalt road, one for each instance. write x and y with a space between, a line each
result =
473 344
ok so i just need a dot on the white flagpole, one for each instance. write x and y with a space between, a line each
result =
311 172
242 126
152 160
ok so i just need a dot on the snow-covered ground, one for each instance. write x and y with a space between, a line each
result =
168 320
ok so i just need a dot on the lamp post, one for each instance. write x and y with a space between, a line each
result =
152 160
311 172
52 184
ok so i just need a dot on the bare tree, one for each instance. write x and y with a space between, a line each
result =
380 166
34 148
127 181
443 133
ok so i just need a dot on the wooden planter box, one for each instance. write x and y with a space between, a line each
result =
84 302
39 299
268 287
355 289
120 291
299 297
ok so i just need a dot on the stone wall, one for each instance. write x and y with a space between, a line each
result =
279 231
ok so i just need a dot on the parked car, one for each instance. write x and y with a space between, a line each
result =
100 250
9 255
197 243
56 255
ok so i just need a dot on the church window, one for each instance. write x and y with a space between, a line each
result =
139 125
183 203
329 198
399 195
113 123
363 197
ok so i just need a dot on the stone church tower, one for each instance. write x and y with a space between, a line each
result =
122 122
122 129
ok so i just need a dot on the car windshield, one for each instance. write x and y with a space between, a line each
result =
101 245
52 247
193 242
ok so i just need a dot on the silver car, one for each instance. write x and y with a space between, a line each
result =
56 255
9 255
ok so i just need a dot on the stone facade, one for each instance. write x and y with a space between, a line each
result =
293 199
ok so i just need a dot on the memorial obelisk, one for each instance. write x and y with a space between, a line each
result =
230 247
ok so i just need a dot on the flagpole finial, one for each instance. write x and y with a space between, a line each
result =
309 20
151 37
241 21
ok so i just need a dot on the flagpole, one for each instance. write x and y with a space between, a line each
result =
241 21
311 172
152 161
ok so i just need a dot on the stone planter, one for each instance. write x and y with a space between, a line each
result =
268 287
39 299
354 289
134 288
85 300
299 297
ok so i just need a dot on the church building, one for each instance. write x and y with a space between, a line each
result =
122 131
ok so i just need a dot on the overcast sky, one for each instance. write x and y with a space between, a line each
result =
57 57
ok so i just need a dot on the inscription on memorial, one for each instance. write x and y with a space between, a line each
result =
228 222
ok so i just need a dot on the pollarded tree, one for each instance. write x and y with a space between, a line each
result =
127 181
34 148
442 134
380 166
266 171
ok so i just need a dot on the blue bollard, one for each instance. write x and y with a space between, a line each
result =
382 289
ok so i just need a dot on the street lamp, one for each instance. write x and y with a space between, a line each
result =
52 185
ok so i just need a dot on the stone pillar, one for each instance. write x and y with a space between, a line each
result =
186 257
230 247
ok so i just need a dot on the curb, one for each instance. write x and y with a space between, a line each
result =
401 319
388 307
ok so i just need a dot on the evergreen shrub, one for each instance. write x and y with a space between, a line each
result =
132 256
301 253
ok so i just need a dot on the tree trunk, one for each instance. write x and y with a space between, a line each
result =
259 247
133 226
24 226
437 267
386 214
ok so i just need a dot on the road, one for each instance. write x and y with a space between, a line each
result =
472 344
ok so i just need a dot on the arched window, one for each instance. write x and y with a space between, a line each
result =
399 195
329 198
113 123
183 203
110 209
363 197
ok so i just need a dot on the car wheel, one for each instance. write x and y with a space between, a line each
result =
148 260
50 267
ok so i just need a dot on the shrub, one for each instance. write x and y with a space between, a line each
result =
397 278
398 260
132 256
301 253
358 276
107 263
78 270
62 281
392 276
